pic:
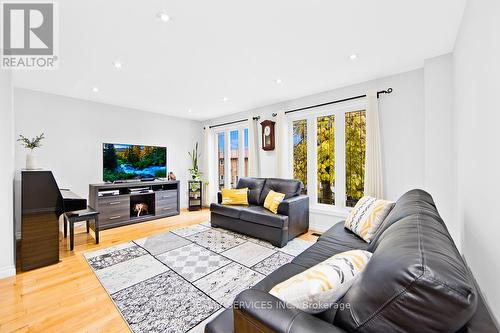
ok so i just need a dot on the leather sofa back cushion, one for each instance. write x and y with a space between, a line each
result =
291 187
255 187
412 202
416 280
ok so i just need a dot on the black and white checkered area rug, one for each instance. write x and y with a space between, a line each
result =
178 281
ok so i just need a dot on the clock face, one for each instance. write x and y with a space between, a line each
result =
267 130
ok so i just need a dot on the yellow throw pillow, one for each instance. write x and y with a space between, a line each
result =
273 200
319 287
367 216
236 196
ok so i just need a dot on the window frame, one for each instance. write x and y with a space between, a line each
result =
227 151
311 116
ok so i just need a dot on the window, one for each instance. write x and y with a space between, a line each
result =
245 147
221 159
300 151
355 149
234 158
232 155
326 159
331 164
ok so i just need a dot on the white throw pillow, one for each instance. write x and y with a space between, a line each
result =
367 216
319 287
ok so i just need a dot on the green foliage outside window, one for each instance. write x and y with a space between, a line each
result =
355 141
326 159
300 152
355 149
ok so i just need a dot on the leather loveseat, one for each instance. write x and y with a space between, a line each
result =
256 221
416 281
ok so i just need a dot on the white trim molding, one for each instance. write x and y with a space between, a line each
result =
7 271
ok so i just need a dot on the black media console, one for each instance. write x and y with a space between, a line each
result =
133 202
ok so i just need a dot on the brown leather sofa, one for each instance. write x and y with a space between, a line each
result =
416 281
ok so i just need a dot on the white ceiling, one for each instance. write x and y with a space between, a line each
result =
237 49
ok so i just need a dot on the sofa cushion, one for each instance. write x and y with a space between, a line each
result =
416 280
405 206
235 196
279 275
273 200
324 249
255 187
290 187
343 238
260 215
229 211
317 288
365 218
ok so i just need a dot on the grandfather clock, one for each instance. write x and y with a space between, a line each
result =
267 134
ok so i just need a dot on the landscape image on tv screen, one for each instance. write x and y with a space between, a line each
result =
122 162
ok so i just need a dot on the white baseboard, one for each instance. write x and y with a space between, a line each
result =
7 271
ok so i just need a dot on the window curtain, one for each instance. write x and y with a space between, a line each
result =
208 165
253 148
374 182
281 145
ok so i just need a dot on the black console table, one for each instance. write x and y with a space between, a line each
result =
133 202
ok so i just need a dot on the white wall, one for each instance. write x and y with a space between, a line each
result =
402 128
76 129
7 262
477 86
440 164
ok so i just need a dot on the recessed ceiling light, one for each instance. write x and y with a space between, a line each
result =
163 16
117 64
278 81
95 89
225 99
189 110
353 56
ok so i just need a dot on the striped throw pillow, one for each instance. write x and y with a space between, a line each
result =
367 216
319 287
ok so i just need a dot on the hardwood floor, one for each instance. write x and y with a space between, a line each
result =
67 297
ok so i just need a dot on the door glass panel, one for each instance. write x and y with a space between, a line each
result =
233 136
326 159
300 152
245 144
220 159
355 149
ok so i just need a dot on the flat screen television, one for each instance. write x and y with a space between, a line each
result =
122 162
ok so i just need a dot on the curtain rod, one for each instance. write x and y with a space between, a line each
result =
231 122
388 91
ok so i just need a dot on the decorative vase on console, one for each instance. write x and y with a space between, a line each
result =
31 145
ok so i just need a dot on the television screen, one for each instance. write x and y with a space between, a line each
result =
121 162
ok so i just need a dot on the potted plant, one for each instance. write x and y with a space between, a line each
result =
194 170
31 144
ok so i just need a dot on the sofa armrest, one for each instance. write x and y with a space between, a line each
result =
259 311
288 205
297 210
219 197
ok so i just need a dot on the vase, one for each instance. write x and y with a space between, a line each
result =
31 161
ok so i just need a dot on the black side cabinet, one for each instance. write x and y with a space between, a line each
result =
195 201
